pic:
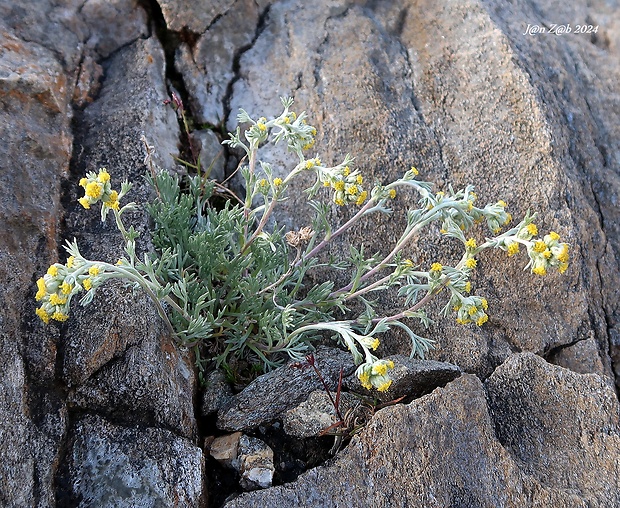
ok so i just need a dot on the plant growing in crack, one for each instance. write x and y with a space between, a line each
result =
231 287
351 420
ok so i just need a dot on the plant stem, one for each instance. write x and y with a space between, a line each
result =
339 231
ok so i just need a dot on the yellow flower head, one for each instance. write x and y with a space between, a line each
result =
41 289
502 203
384 386
539 270
83 182
379 369
70 261
563 255
93 270
346 171
554 236
392 193
532 229
414 171
361 198
471 243
364 377
52 270
352 190
84 202
59 316
339 185
66 288
94 190
436 267
103 176
277 181
471 263
513 248
359 179
88 284
539 246
42 313
57 300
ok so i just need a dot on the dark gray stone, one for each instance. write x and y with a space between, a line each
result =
270 395
112 466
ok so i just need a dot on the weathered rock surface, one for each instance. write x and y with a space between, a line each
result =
270 395
317 414
254 463
477 447
225 449
129 467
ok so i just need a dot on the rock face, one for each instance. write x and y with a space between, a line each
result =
477 445
127 467
102 410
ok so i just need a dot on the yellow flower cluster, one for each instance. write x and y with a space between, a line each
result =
548 253
61 282
97 188
472 310
496 216
375 374
347 185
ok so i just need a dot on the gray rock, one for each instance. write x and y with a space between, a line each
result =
270 395
254 463
131 102
317 414
558 426
194 16
35 149
208 67
87 85
410 378
55 26
217 393
583 357
225 449
515 450
211 154
152 384
113 24
131 467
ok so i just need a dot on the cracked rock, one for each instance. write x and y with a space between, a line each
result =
270 395
126 467
225 449
254 463
316 414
